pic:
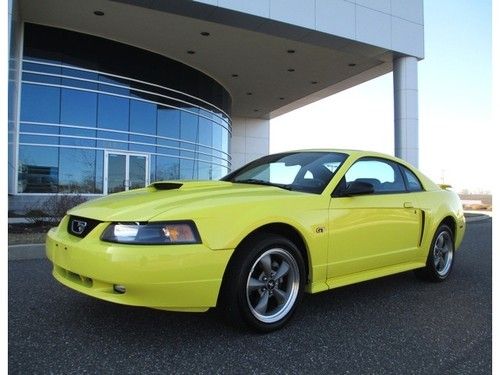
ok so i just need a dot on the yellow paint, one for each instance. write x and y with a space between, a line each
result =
347 239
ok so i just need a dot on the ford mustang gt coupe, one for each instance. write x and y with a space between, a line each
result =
252 243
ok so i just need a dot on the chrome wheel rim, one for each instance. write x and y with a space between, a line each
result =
273 285
443 253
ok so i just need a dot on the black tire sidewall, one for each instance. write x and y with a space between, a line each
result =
253 252
431 268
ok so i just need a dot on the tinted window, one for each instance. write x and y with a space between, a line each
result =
40 104
38 169
77 171
167 168
412 181
142 117
113 112
78 108
187 167
49 44
382 174
300 171
205 136
84 123
189 126
204 171
169 122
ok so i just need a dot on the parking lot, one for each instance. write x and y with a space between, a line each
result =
396 324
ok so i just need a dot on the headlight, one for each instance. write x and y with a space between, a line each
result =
160 233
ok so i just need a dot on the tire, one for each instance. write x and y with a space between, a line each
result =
263 284
441 255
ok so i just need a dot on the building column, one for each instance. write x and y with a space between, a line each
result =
249 141
405 75
15 30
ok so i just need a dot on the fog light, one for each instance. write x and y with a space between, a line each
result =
119 288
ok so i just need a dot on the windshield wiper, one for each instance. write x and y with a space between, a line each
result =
262 182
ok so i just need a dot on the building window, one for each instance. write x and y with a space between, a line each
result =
81 105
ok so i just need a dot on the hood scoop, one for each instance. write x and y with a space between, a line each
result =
166 185
189 184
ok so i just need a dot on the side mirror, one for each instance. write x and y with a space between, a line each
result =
357 188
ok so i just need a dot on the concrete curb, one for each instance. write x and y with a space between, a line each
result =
27 251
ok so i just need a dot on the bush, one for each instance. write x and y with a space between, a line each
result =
57 206
36 216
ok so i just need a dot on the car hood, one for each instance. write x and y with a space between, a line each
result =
170 196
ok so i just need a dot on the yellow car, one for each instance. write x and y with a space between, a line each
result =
253 242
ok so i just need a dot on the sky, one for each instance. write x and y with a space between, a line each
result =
455 126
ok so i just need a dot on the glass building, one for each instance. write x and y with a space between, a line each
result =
106 95
98 117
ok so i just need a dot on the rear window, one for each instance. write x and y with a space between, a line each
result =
411 180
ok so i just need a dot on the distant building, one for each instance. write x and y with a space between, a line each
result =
107 96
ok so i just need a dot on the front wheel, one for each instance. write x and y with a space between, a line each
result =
264 284
440 258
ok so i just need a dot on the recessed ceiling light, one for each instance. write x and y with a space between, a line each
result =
234 75
249 93
314 82
205 33
352 64
290 51
291 70
191 52
99 13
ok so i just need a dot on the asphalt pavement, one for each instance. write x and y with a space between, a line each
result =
392 325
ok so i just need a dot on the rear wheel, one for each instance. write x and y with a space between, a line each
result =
440 258
264 284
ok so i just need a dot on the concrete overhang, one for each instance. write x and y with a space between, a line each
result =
249 55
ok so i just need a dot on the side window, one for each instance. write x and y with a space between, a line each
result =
412 180
382 174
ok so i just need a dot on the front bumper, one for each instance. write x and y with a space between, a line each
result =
171 277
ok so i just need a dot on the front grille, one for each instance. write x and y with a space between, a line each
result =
74 277
81 226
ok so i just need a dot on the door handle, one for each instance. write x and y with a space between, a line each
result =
408 205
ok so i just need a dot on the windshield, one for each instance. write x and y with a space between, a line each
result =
299 171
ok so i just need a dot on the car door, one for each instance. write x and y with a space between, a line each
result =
375 230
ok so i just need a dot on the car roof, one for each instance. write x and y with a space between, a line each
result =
427 182
356 153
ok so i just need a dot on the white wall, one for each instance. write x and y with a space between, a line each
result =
393 24
249 141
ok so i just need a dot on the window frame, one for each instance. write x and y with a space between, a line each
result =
405 178
337 192
229 177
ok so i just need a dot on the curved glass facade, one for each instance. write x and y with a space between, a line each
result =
98 117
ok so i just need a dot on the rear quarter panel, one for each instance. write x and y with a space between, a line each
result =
437 205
